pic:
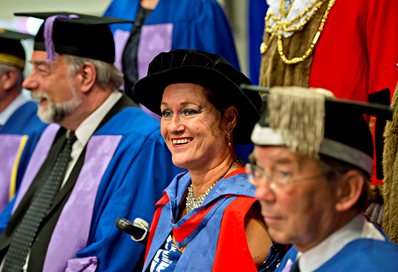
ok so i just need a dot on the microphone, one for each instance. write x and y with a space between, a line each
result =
138 229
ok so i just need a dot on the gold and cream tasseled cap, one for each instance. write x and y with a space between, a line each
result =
11 50
312 122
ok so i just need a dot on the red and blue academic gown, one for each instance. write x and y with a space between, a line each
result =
359 255
121 173
174 24
18 137
214 234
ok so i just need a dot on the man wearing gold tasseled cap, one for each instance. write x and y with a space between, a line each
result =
311 165
347 47
20 127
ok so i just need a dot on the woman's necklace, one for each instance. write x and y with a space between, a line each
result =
192 202
195 202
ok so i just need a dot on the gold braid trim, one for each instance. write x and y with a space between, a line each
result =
14 172
282 27
12 61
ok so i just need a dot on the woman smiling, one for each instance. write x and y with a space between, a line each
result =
207 219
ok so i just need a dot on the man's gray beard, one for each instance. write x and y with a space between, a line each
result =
56 112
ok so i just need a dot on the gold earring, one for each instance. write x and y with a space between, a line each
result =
229 139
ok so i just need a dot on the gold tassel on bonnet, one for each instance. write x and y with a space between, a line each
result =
312 122
298 114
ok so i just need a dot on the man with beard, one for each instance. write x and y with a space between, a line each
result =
101 159
20 127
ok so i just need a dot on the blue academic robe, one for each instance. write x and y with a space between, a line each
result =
214 233
18 137
125 167
256 14
175 24
359 255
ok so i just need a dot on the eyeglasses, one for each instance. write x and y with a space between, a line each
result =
276 179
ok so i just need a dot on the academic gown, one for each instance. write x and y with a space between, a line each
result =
174 24
255 20
359 255
18 137
121 173
214 234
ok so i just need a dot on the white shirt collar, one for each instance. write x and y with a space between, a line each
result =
87 128
6 114
90 124
357 228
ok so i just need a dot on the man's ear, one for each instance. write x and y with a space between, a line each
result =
230 118
87 75
9 79
350 187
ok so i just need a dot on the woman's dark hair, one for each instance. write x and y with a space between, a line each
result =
220 103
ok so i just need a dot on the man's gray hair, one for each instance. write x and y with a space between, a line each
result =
107 74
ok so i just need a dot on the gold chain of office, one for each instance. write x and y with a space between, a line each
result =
280 27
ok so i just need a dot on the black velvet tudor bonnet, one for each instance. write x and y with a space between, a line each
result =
75 34
208 70
11 50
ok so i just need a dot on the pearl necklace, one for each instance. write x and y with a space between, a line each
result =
192 202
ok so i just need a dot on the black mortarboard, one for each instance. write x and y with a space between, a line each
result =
313 122
11 50
206 69
75 34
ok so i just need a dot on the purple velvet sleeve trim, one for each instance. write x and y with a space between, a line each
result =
36 160
154 39
9 145
120 37
88 264
73 227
